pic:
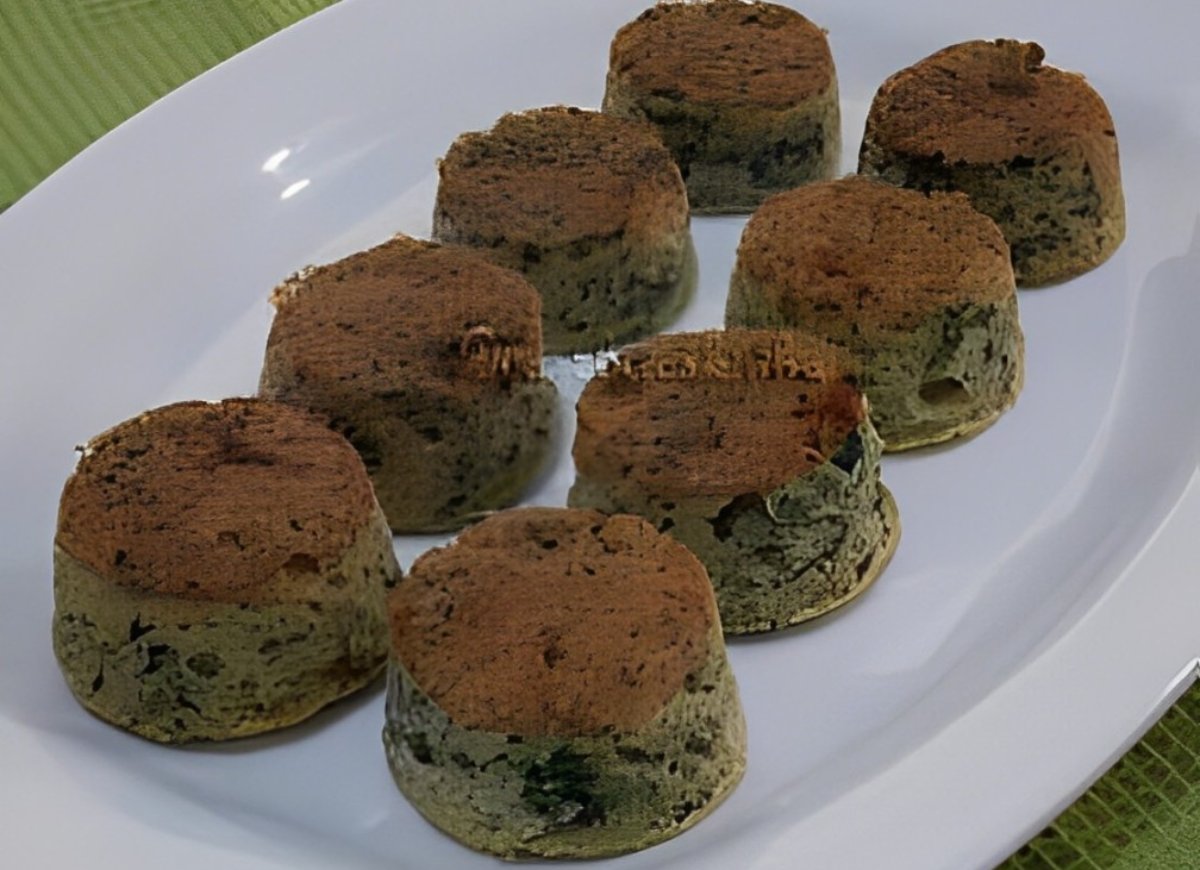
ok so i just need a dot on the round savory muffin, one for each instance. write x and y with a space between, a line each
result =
428 359
1034 148
590 207
744 94
918 287
558 687
754 449
219 570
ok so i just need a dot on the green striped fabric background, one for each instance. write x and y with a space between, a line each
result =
70 70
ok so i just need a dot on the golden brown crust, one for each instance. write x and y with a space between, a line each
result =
872 257
989 103
407 312
211 501
553 176
717 413
550 621
724 51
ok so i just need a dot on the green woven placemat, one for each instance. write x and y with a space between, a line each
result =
1143 813
70 70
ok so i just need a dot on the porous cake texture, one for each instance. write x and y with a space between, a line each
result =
428 360
590 207
917 287
752 448
219 571
558 687
744 94
1034 147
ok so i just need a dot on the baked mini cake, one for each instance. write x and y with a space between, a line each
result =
744 94
1034 148
428 359
918 287
590 207
219 571
558 687
754 449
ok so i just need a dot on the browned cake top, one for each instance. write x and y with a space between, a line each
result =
210 501
716 414
988 102
407 314
558 175
724 51
865 258
550 621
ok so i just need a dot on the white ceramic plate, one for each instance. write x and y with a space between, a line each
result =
1042 607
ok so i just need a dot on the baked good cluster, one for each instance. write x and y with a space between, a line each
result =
557 680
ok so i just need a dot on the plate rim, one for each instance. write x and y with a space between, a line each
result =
1028 681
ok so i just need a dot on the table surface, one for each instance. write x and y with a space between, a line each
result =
74 69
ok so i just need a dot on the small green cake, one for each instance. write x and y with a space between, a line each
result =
589 207
428 359
744 94
1034 147
918 287
558 687
219 571
754 449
